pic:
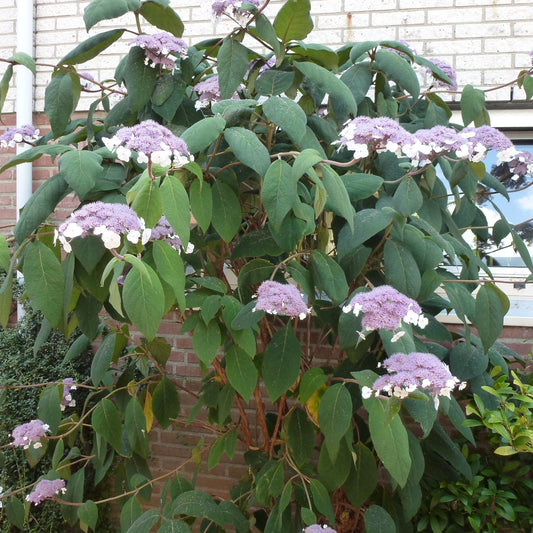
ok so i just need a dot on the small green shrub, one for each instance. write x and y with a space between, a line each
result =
497 499
21 366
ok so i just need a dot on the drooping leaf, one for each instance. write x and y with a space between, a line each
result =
273 82
202 133
396 68
176 207
338 197
144 299
300 436
472 105
278 193
49 410
281 362
226 211
362 480
201 203
377 520
248 149
102 359
489 315
107 423
60 99
139 79
286 114
329 276
88 514
206 341
81 169
171 269
401 270
241 372
232 61
335 416
145 522
91 47
390 439
44 280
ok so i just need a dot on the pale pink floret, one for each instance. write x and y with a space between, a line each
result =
281 299
29 434
317 528
159 46
45 490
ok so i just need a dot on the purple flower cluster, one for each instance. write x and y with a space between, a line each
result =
448 70
66 400
159 46
281 299
45 490
164 231
12 136
152 142
108 220
317 528
232 8
408 372
363 135
384 308
86 81
208 91
29 434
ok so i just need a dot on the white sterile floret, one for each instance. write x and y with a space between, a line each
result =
73 230
366 392
124 153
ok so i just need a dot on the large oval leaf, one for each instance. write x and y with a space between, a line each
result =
232 61
288 115
226 211
202 133
248 149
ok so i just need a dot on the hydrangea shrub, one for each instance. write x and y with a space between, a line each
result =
261 198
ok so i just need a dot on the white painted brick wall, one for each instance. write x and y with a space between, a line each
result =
487 41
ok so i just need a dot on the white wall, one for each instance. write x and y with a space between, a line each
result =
487 41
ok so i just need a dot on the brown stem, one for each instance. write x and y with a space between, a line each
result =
281 409
261 417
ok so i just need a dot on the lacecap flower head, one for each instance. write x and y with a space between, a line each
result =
29 434
409 372
232 8
152 142
385 308
317 528
448 70
208 91
12 136
67 400
281 299
45 490
110 221
164 231
159 46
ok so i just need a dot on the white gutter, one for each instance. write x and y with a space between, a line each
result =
24 102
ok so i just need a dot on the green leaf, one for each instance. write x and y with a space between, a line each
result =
472 105
99 10
390 439
310 382
198 504
49 410
247 318
281 362
300 436
91 47
60 99
206 341
107 423
33 153
88 514
335 416
174 526
232 61
162 17
328 82
148 203
248 149
40 205
44 281
362 481
131 510
256 244
274 82
165 402
135 426
74 494
81 169
467 362
15 512
201 203
293 21
6 301
266 31
335 473
278 193
269 481
203 133
328 276
176 207
4 87
489 315
338 197
321 500
377 520
408 198
145 522
241 372
21 58
396 68
144 300
139 79
368 223
401 270
226 211
4 254
171 269
288 115
102 359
